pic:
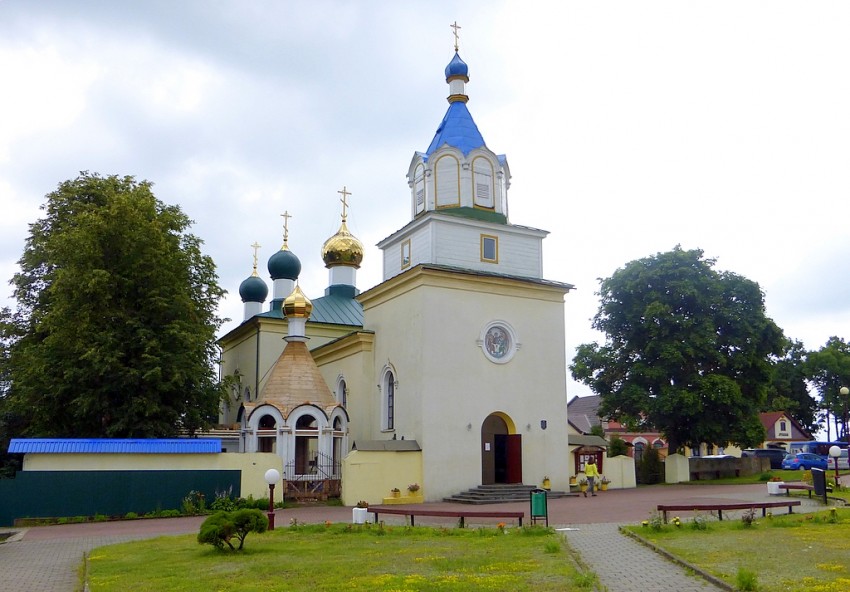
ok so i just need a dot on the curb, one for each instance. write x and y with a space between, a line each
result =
670 557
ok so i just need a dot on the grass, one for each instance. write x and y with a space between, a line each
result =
783 553
346 557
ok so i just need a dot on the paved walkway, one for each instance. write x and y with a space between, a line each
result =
46 559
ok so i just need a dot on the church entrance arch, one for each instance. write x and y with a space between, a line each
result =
501 450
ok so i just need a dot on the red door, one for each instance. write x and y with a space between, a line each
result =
514 449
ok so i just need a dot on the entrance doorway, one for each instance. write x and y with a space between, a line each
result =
501 451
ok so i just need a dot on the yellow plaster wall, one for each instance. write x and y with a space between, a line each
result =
370 475
253 466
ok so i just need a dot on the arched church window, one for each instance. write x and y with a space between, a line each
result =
306 445
639 449
388 385
419 188
267 442
482 182
447 174
306 422
342 393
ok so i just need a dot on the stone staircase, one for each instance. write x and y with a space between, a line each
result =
499 493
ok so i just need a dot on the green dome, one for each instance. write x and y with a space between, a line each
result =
253 289
284 265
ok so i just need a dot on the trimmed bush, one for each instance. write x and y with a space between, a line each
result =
221 527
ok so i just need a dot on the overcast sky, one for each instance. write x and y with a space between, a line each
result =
630 127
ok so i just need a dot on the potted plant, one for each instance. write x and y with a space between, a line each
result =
413 487
396 492
603 483
359 513
582 485
773 486
546 483
572 479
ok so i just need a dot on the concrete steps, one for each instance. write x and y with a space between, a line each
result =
499 493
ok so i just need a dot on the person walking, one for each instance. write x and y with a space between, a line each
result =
591 472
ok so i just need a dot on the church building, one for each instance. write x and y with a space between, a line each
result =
457 355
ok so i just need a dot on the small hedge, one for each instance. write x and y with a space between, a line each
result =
221 527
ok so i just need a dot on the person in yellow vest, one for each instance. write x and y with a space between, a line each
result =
591 472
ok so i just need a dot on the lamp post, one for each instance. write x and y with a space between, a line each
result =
272 477
844 391
835 452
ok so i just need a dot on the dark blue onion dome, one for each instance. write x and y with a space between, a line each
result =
284 265
457 67
253 289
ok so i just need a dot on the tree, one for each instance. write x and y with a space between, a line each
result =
829 370
687 351
221 527
788 390
114 334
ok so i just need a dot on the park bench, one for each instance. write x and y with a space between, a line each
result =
818 486
721 506
801 486
460 514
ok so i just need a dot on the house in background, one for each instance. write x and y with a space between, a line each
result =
781 429
583 416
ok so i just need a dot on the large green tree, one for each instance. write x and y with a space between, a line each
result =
114 334
829 369
687 350
789 391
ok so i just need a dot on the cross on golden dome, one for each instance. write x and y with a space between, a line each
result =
344 194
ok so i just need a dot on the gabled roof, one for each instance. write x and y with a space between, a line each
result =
581 412
113 446
769 419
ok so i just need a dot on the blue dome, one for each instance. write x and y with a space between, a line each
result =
253 289
284 265
457 67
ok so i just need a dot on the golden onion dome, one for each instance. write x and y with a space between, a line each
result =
343 248
297 305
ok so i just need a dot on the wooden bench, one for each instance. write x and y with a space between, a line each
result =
801 486
460 514
719 507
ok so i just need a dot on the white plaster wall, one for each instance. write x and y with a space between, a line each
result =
446 383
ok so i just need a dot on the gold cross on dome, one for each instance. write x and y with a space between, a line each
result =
345 195
455 26
256 247
286 216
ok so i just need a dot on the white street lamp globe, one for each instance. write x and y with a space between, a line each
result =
844 391
272 476
834 451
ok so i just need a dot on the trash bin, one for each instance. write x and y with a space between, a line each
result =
539 506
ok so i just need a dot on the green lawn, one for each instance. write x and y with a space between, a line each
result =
346 557
783 553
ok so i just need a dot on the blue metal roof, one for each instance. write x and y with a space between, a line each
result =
106 446
457 130
338 307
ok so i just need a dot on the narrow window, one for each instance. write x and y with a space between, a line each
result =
489 248
390 401
405 254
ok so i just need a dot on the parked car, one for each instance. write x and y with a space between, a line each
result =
843 464
776 455
804 461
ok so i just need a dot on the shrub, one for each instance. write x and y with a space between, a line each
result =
746 580
221 527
